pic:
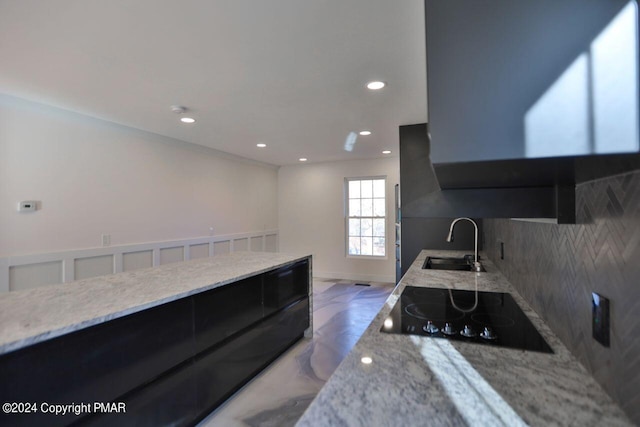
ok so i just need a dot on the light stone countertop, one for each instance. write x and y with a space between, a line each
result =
30 316
423 381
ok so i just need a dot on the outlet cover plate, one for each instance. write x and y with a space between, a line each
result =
600 318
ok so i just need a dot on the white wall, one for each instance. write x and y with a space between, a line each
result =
94 177
311 216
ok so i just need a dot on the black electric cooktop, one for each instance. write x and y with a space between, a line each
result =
495 320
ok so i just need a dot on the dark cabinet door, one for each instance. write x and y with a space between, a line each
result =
224 311
222 371
168 401
97 364
285 285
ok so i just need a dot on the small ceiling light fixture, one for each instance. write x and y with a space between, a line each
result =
261 145
302 159
179 109
386 152
365 132
376 85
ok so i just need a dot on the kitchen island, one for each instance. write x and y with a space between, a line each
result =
410 380
170 343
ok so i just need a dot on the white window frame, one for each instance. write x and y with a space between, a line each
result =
346 217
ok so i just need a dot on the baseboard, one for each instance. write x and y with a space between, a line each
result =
355 277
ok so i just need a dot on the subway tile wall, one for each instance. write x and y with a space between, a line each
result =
557 267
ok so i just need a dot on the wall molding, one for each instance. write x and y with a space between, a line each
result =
68 258
355 277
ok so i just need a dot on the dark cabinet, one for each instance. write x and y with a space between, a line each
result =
222 371
169 400
285 285
97 364
171 364
222 312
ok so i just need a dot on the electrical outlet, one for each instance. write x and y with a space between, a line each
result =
106 239
600 318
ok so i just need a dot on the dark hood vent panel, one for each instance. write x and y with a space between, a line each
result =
519 188
545 172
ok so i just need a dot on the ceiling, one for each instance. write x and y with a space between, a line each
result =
291 74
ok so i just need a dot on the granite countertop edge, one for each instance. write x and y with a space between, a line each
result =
35 315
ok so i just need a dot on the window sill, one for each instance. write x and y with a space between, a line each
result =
371 257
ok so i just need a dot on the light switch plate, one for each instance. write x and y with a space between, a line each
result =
600 318
27 206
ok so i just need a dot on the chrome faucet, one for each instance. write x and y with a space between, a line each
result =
476 263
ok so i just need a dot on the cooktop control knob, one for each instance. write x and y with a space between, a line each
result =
468 332
488 334
448 329
430 328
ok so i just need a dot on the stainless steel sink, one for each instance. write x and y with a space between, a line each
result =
450 263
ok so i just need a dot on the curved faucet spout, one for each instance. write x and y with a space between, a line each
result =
449 239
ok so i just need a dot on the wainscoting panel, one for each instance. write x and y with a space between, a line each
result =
199 251
34 275
241 244
256 244
557 267
93 266
169 255
222 247
137 260
31 271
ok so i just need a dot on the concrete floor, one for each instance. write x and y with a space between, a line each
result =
282 392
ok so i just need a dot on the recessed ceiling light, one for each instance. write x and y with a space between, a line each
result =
261 145
303 159
376 85
365 132
386 152
366 360
187 120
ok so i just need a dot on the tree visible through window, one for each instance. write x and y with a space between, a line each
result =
366 219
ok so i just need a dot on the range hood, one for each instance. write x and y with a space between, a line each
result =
526 99
518 188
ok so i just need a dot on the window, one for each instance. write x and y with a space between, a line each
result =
366 216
